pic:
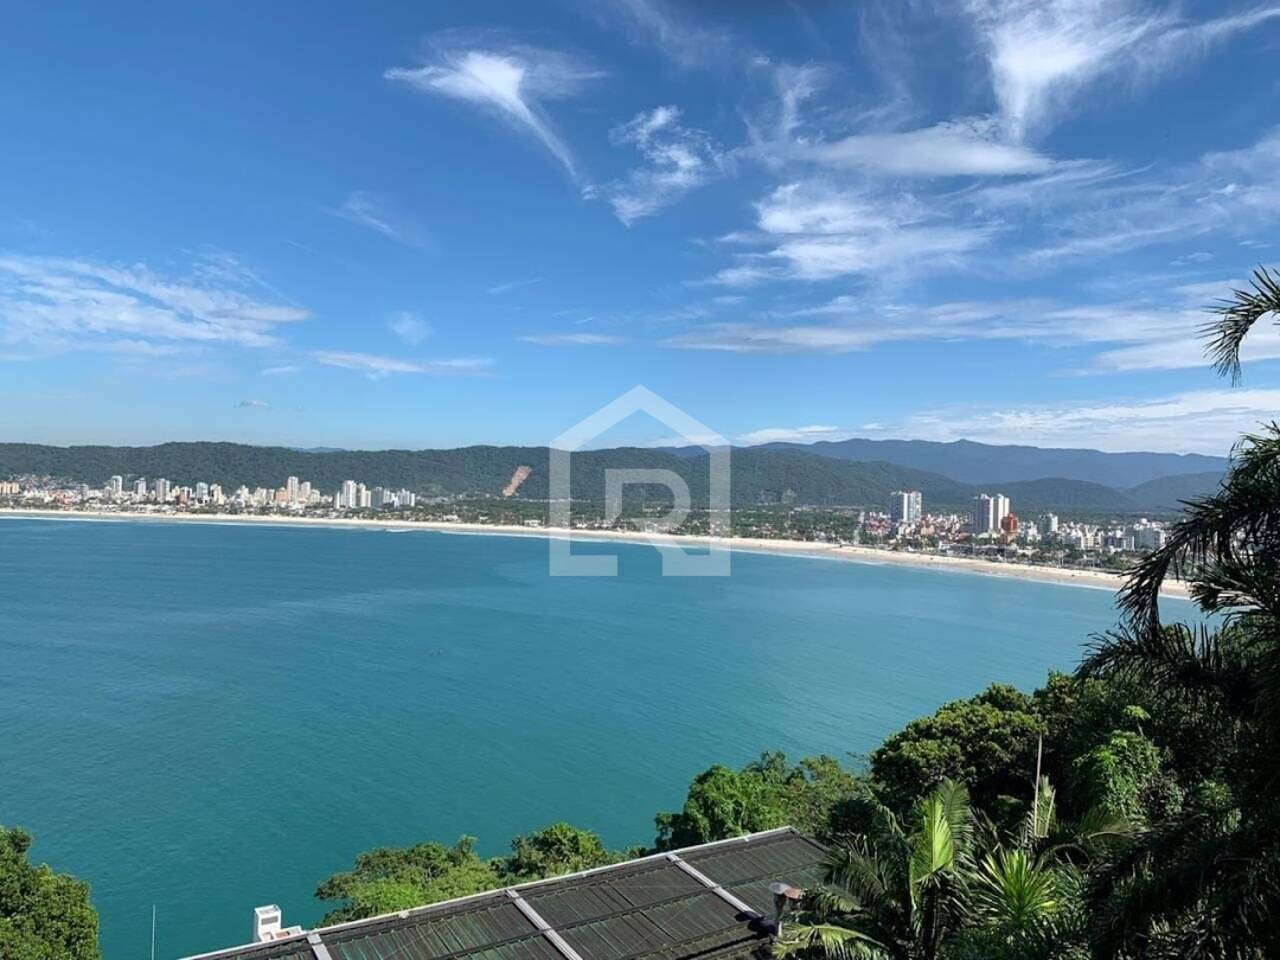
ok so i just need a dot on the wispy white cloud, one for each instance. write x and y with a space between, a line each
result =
499 289
789 434
967 147
410 328
677 160
1224 193
817 230
512 82
575 339
677 36
281 371
253 405
1203 421
58 303
376 214
377 367
1043 54
1123 336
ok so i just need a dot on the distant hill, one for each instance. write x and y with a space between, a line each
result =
968 462
761 475
1058 493
1168 493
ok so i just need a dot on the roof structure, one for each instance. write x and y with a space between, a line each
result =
710 901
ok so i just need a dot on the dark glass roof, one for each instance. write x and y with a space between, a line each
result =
678 906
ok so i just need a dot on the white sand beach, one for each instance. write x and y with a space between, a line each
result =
1097 579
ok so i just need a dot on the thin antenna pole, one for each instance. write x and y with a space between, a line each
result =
153 932
1035 800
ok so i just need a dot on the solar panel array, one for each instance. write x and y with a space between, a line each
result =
649 909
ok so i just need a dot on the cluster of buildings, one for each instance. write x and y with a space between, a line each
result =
1142 536
356 496
993 522
294 495
993 516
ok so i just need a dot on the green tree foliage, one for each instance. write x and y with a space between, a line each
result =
895 892
43 915
389 879
1126 776
559 848
988 742
943 881
767 793
1205 881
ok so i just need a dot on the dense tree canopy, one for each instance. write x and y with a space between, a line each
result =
987 742
43 915
390 879
551 851
767 793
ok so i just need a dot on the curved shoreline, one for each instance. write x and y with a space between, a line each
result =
1062 576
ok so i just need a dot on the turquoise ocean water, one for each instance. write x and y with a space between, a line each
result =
209 717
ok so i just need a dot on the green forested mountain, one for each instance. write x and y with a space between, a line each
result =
970 462
759 475
1170 492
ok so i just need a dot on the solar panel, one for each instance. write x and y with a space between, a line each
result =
654 908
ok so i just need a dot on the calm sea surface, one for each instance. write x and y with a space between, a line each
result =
210 717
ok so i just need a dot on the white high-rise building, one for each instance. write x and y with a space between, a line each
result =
291 489
364 497
1002 508
116 486
140 488
304 491
215 494
162 490
1049 524
202 492
348 499
905 506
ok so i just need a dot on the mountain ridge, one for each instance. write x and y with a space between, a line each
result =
971 462
761 475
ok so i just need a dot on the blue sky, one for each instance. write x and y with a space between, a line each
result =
440 224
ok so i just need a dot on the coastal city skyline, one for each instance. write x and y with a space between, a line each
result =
992 220
991 530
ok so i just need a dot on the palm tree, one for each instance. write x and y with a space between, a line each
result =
1026 895
894 894
1207 882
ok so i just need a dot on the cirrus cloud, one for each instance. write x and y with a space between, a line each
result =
512 82
377 367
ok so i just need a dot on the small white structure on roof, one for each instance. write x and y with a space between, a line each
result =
267 924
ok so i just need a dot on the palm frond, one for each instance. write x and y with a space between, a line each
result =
1243 515
1015 889
1197 663
1042 818
1171 875
1236 317
829 940
866 879
941 825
